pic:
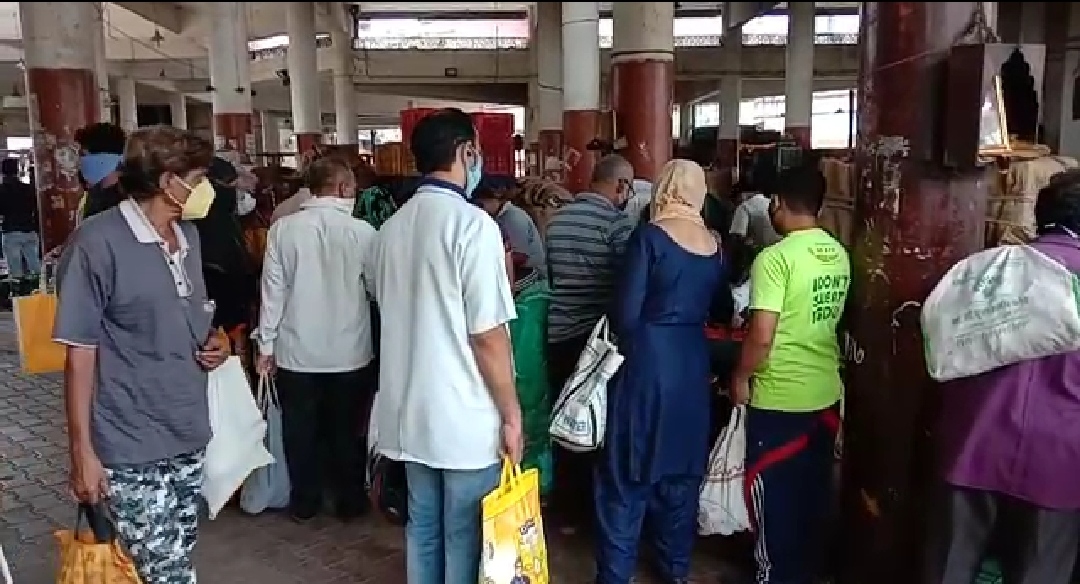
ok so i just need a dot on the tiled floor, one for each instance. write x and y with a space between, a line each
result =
235 548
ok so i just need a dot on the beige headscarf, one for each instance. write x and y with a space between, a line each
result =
677 200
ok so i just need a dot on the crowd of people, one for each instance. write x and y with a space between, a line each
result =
457 319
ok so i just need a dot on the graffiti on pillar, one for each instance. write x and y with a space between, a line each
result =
67 161
853 352
889 152
570 157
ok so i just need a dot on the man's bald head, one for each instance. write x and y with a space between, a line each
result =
612 177
330 177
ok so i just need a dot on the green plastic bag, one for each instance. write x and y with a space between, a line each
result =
528 335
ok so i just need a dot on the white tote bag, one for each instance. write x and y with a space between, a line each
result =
997 307
268 487
579 417
238 429
722 505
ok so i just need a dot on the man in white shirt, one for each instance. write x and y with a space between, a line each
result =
447 406
315 331
751 222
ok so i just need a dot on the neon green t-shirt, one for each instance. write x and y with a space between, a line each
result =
804 278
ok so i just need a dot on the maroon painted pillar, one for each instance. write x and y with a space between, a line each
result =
308 142
230 77
234 131
914 218
642 82
581 92
62 97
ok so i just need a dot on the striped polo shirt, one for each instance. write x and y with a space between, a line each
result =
586 241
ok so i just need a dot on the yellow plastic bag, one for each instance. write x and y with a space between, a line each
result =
34 317
86 560
514 550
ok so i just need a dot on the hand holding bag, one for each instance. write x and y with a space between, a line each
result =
93 556
579 417
268 487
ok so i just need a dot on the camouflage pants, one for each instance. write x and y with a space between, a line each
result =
156 508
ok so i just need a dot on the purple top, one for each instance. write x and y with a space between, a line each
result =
1016 430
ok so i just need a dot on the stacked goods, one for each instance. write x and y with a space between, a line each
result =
1010 214
409 119
495 131
838 212
540 198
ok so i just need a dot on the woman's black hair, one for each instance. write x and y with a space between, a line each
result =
1058 204
152 152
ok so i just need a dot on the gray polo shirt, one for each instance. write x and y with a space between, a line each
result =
146 312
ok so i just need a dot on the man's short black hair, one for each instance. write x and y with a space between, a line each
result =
802 188
1058 204
102 138
436 138
9 167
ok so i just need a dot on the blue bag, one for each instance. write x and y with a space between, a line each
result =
268 487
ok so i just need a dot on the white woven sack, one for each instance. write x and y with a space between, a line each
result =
997 307
722 503
579 417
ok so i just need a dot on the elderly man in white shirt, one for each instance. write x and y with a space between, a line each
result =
315 331
447 406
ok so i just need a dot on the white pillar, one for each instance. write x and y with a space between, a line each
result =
799 68
271 132
302 60
546 90
230 74
580 56
178 110
101 64
344 90
731 84
129 104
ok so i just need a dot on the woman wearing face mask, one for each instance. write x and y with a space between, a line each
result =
230 277
135 318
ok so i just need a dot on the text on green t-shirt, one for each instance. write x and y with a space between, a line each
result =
804 278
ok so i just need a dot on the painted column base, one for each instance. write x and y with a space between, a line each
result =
234 131
579 128
800 134
308 141
642 92
61 101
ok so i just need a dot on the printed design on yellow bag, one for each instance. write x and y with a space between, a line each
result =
514 550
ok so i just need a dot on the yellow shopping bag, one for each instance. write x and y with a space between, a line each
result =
34 316
86 558
514 549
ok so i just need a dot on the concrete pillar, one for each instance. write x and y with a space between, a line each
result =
101 65
230 76
1032 22
916 219
178 110
547 107
302 60
1055 110
727 143
62 95
642 81
271 132
344 90
799 73
129 104
580 91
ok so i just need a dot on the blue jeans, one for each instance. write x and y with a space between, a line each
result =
23 252
443 534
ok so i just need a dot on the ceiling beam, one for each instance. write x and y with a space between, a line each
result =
167 15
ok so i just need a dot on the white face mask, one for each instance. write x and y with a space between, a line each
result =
245 203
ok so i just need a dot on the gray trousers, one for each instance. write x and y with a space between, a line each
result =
1034 545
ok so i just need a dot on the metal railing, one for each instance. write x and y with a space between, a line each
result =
517 43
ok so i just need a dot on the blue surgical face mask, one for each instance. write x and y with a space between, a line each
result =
473 174
95 167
